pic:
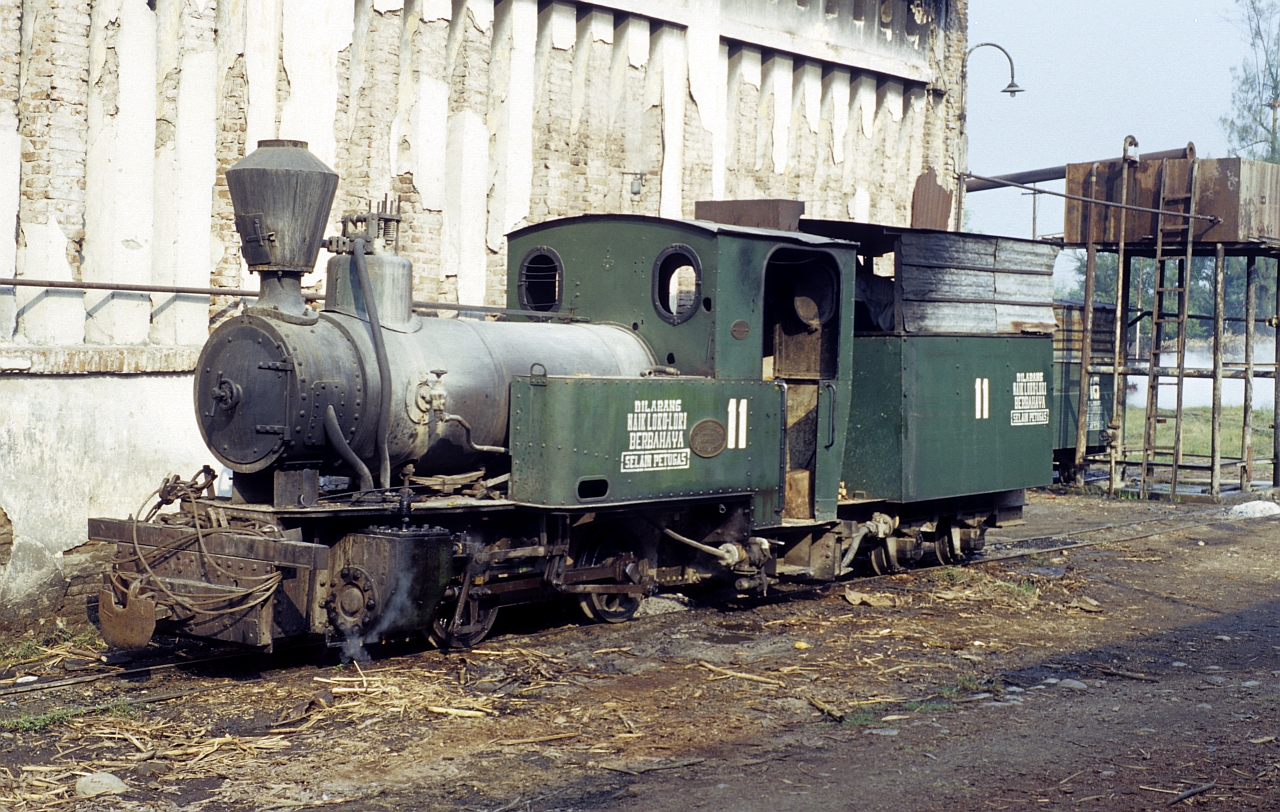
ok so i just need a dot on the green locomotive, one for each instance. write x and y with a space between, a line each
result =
663 405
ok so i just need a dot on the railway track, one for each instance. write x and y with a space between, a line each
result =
996 551
1022 548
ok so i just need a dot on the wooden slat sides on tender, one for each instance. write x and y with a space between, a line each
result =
976 284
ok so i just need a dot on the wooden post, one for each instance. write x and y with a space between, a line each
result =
1120 333
1219 308
1246 432
1086 333
1275 412
1120 360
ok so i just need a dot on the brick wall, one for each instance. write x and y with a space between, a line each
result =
421 103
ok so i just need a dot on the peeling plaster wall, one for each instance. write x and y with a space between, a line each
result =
118 121
91 462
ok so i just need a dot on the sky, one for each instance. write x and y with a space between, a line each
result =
1094 71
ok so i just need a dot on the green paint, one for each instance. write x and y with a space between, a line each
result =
577 442
913 430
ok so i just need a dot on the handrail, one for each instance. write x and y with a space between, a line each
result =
124 287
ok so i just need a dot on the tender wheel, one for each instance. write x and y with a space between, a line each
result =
946 545
475 624
601 549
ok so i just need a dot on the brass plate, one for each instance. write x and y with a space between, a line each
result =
707 437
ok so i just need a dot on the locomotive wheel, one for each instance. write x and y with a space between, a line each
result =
608 607
880 563
946 545
476 623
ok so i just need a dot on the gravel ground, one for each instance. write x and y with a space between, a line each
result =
1110 677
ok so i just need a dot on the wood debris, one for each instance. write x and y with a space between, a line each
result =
739 675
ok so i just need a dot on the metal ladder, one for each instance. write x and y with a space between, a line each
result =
1163 321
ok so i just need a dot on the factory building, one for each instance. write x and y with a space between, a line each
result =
118 119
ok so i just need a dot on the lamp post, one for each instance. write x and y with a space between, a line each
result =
1012 89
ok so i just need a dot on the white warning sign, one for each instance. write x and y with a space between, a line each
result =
1093 414
1030 400
657 438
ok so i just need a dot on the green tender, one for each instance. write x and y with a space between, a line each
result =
1067 400
917 428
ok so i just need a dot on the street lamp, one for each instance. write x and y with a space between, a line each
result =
1012 89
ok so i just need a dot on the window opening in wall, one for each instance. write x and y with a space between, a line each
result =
541 280
677 284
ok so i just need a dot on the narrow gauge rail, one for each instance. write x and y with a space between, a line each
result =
998 552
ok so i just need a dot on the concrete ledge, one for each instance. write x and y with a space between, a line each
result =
85 360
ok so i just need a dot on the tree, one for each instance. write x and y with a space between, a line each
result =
1200 289
1253 126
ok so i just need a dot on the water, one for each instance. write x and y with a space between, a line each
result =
1199 391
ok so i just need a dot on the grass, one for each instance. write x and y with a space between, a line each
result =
867 716
1022 589
16 653
28 723
32 649
955 576
1197 429
966 684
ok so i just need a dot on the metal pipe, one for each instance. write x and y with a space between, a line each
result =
1169 372
485 449
1212 218
1086 333
122 287
1120 333
384 365
1246 431
20 282
724 556
977 184
1275 413
333 432
1219 330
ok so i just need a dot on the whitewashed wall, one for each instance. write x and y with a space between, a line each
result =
118 120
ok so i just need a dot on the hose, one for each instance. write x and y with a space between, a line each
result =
853 547
384 366
334 432
727 558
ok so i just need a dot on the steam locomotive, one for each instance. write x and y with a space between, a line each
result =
662 405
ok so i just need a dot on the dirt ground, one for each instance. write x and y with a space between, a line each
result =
1110 677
